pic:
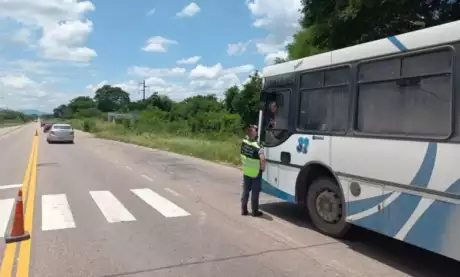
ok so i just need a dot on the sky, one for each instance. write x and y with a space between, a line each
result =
52 51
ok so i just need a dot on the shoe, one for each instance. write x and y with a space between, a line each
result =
257 213
244 212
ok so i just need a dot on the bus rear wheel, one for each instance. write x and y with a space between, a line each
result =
326 207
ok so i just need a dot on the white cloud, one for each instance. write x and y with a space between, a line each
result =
17 81
280 18
22 92
201 71
62 41
56 19
212 72
151 12
22 36
237 48
191 60
28 66
93 88
202 80
154 84
189 10
247 68
158 44
156 72
271 57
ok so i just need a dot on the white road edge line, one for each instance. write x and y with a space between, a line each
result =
56 213
10 186
6 207
159 203
111 208
147 177
172 191
128 168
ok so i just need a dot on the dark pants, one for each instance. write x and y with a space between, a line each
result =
254 186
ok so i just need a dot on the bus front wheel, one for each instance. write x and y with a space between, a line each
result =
326 207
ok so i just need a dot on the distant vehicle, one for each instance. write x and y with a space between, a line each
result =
60 133
369 135
47 127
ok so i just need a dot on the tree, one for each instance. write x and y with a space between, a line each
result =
162 102
230 95
62 111
111 99
247 102
280 60
333 24
81 103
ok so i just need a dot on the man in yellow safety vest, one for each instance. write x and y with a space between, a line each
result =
253 162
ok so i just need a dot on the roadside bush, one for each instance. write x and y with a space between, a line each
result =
89 126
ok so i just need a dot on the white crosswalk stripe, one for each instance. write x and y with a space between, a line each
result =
57 214
6 207
110 207
159 203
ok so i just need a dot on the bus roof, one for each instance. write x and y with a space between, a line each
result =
432 36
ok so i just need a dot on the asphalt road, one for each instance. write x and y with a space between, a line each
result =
105 208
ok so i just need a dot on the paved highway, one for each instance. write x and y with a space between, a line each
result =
104 208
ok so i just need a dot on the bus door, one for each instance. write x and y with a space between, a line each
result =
274 136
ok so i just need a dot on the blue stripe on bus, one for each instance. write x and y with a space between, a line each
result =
400 210
420 179
276 192
396 42
362 205
432 229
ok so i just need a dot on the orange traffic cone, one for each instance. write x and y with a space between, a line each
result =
17 231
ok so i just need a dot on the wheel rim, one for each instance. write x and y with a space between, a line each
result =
329 206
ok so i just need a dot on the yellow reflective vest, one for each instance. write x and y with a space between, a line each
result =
250 158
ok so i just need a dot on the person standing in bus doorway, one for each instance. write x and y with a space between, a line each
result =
253 161
272 109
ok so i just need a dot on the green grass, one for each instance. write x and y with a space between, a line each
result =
225 150
10 123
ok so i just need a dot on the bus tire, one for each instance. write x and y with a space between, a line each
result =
326 207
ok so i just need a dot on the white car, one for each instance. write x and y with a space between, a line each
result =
60 133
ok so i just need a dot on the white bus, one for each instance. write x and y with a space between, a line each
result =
369 135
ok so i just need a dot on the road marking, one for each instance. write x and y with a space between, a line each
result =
128 168
159 203
56 213
6 207
11 186
8 260
110 207
23 266
8 257
172 191
147 177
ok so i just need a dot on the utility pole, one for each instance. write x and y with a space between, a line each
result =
143 88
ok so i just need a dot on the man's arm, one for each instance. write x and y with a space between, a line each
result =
262 159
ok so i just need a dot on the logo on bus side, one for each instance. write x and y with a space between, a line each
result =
302 147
